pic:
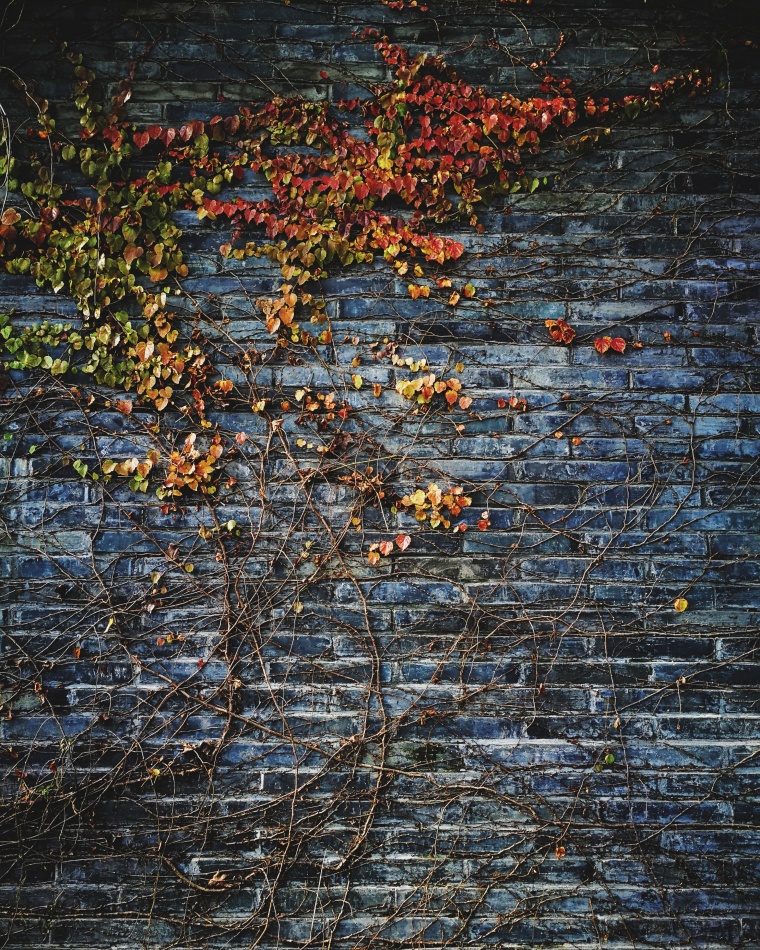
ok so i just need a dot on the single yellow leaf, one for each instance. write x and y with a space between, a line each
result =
680 604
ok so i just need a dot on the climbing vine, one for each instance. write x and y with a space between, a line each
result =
332 562
437 146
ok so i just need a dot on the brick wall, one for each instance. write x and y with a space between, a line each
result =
503 738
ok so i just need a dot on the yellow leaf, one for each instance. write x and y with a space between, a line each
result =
356 380
680 604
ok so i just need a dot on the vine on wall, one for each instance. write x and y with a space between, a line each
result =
438 148
291 482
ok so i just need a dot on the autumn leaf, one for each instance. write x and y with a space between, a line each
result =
357 380
132 252
560 331
465 402
604 343
144 350
386 548
403 541
680 604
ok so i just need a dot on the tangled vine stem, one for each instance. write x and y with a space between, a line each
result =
376 490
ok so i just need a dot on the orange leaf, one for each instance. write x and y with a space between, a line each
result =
403 541
602 343
465 402
132 252
560 331
386 548
144 351
451 397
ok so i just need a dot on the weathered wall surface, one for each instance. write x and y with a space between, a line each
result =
505 737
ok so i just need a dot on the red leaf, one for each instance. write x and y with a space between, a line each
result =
403 541
141 139
604 343
560 331
386 548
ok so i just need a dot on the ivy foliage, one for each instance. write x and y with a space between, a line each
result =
436 151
